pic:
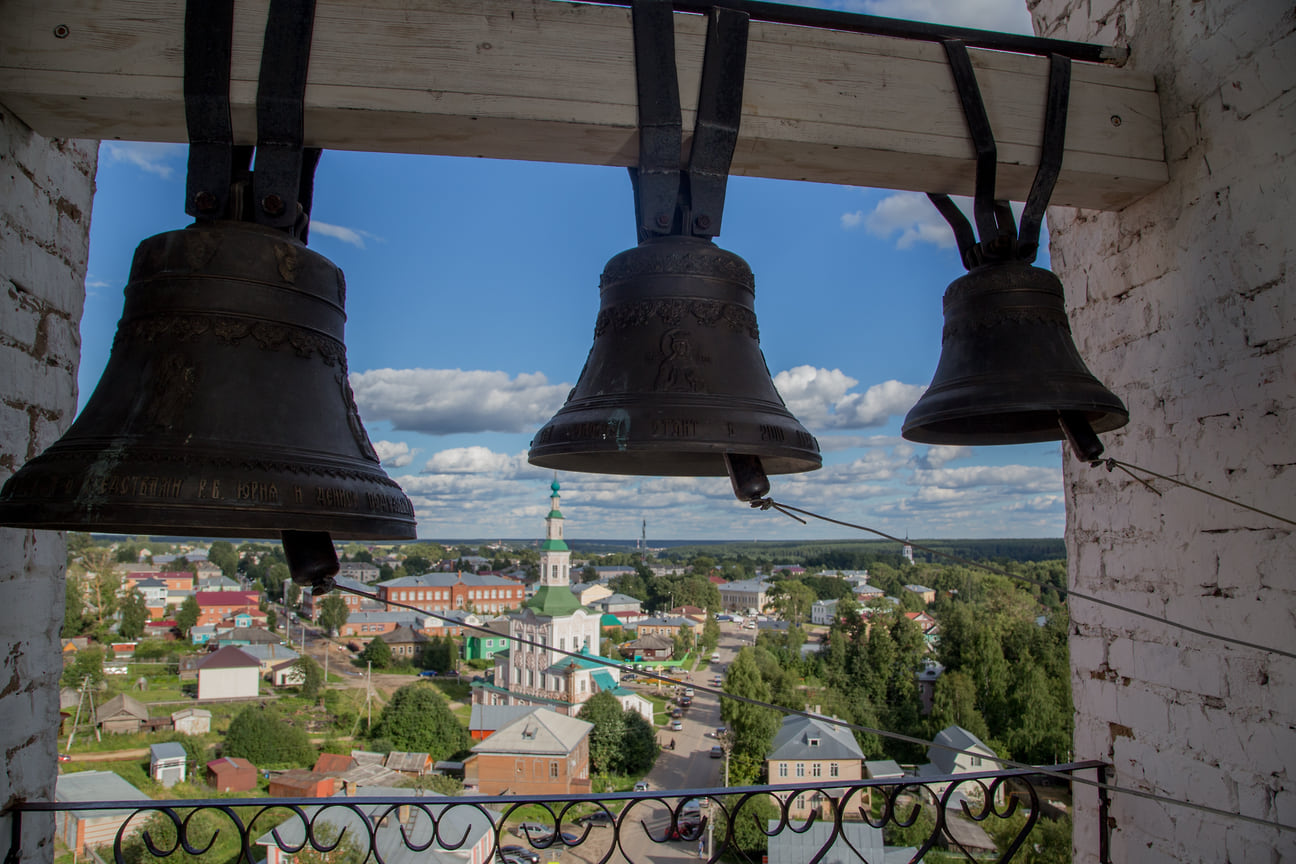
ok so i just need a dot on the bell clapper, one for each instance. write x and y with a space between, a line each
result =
312 560
1084 441
748 477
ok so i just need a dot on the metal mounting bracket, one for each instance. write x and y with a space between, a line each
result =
668 199
1000 237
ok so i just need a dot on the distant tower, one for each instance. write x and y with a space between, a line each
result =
555 557
906 552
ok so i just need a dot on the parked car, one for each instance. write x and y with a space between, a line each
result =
676 726
520 853
720 731
688 691
428 673
642 786
63 757
676 713
533 830
724 617
685 701
715 657
717 752
599 819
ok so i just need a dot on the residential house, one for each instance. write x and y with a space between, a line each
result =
154 592
87 829
955 750
930 629
122 714
286 674
334 764
469 829
540 753
619 605
589 593
241 636
405 643
216 606
857 842
216 583
360 571
300 783
167 763
928 595
229 673
486 719
270 656
668 627
376 622
441 592
201 634
231 774
191 721
744 594
927 677
823 612
868 593
408 764
811 750
695 614
204 568
647 648
483 646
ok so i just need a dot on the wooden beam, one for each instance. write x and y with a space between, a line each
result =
548 81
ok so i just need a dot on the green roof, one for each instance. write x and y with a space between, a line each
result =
554 514
554 546
603 679
554 601
609 620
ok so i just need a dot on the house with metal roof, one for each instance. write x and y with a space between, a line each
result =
541 753
86 829
122 714
858 841
955 750
167 763
812 750
744 594
230 673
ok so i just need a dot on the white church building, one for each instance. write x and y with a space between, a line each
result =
535 671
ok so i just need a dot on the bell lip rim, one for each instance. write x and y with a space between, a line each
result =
773 464
187 528
922 432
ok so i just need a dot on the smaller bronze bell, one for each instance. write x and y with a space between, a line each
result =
675 379
1009 371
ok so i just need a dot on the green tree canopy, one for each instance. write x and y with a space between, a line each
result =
134 614
312 676
262 736
333 612
222 554
419 719
74 623
377 652
187 615
605 741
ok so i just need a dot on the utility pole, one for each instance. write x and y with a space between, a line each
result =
369 693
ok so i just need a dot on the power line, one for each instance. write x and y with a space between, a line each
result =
881 733
1109 464
788 510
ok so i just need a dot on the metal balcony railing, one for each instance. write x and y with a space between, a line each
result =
801 823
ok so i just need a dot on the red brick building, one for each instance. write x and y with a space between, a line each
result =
540 753
215 606
231 774
441 592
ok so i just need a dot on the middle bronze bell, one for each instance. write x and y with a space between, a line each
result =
675 378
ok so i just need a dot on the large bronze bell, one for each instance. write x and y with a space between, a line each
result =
225 409
1009 372
675 379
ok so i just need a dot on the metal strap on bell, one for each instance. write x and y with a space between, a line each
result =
675 383
1009 371
225 408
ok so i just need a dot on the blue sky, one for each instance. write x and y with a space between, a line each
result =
472 294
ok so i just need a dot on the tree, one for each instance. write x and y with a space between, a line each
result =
333 612
605 741
346 851
377 652
134 614
419 719
179 565
222 554
639 747
73 608
188 614
88 662
311 674
417 565
954 704
105 582
752 726
589 574
792 599
262 736
710 633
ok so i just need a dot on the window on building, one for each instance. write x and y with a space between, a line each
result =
832 769
782 769
815 770
582 685
553 770
800 769
976 761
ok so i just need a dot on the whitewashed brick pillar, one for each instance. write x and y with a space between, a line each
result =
1183 304
46 188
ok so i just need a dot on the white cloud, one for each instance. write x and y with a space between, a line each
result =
836 443
154 158
822 398
852 220
1015 478
468 460
353 236
939 454
394 454
448 401
909 213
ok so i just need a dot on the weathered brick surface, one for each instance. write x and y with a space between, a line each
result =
46 189
1183 305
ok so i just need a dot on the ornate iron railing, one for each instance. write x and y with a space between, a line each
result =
843 817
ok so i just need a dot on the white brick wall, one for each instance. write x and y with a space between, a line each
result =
45 196
1183 305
